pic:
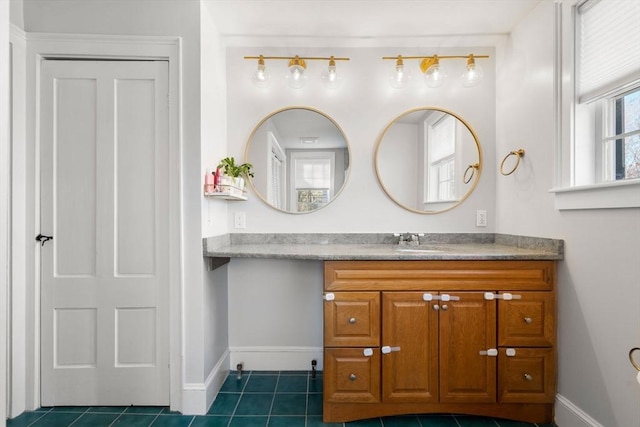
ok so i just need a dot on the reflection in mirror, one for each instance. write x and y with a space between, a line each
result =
428 160
300 159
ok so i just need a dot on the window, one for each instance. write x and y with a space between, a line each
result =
601 166
440 162
621 137
313 177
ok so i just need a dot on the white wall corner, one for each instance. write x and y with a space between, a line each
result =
570 415
276 358
198 397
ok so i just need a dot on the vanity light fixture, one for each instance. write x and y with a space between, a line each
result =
296 75
434 74
400 75
330 77
261 77
473 73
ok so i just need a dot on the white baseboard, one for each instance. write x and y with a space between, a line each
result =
276 358
570 415
198 397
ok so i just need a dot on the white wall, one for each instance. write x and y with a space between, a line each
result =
277 304
215 325
362 108
598 282
5 167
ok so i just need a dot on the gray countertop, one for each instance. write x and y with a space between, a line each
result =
382 247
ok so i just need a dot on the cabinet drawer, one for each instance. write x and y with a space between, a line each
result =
526 377
527 322
352 319
350 376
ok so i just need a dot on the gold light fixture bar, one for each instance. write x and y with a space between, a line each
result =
428 61
303 58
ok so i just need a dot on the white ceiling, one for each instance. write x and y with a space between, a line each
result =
337 21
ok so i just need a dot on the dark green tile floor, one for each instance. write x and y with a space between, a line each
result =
258 399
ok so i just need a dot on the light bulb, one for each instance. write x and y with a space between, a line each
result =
434 76
473 73
261 77
296 77
330 78
400 76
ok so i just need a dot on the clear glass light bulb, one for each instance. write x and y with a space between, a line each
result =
330 78
435 76
261 77
296 76
400 76
473 74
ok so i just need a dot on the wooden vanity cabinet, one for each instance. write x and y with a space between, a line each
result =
470 337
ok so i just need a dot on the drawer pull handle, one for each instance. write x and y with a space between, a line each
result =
352 320
352 377
528 377
528 320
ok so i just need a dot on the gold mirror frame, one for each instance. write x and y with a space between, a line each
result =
466 174
346 158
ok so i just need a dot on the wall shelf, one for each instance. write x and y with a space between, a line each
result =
226 196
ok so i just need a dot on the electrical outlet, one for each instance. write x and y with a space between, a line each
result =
481 218
239 220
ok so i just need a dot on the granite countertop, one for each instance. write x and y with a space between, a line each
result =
472 246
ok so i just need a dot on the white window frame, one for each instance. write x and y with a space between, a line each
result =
570 142
300 155
432 167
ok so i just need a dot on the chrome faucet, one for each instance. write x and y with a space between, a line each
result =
408 238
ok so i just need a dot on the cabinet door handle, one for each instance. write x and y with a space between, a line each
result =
445 307
352 320
528 377
528 320
436 307
352 377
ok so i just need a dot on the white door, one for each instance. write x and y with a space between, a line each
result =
104 199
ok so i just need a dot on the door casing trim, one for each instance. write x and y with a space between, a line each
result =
44 46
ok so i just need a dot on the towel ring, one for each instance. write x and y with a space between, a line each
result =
519 154
633 362
473 168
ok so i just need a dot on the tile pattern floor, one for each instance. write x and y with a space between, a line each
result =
258 399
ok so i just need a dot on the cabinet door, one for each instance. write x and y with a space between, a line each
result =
410 329
527 375
352 319
351 376
467 327
527 322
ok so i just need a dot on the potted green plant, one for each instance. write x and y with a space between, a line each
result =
236 172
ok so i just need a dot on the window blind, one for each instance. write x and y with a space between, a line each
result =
609 46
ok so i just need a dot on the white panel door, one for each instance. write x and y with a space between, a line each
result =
104 199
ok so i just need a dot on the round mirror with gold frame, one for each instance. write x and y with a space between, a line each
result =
300 159
428 160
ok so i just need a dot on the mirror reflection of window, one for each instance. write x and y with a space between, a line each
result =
440 149
312 181
277 172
